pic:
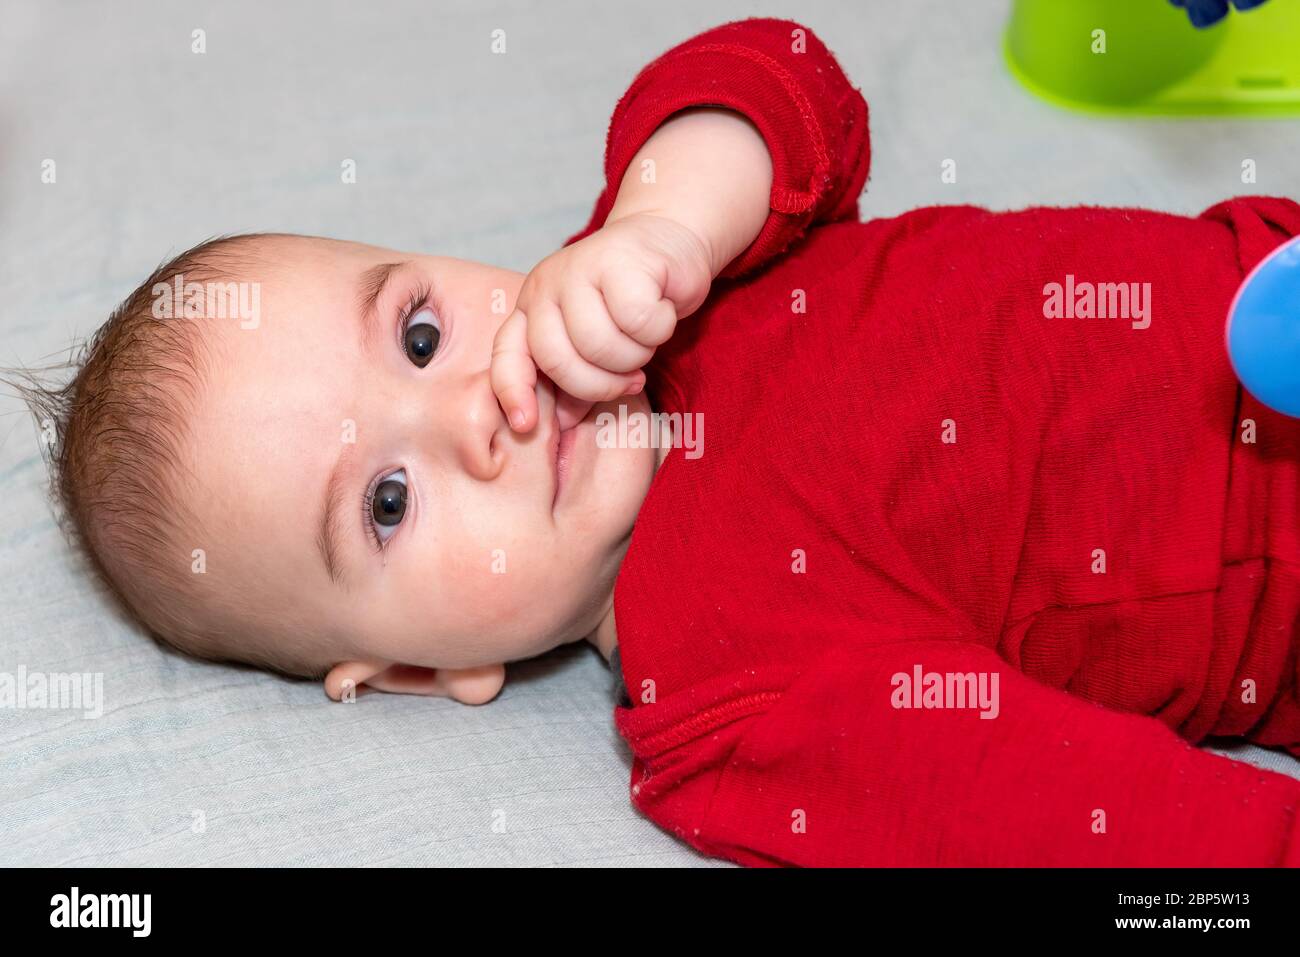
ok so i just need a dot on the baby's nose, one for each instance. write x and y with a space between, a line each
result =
475 426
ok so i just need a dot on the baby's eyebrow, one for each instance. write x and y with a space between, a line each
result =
369 289
331 530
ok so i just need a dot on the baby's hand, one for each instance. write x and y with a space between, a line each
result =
592 314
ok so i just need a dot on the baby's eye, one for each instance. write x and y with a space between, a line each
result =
388 505
420 340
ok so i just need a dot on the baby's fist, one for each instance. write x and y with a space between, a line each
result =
592 314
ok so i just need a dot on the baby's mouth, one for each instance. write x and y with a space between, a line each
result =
563 456
569 413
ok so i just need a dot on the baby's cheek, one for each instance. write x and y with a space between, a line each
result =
483 583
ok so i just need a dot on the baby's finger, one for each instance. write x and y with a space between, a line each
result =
513 373
569 410
636 304
594 334
554 354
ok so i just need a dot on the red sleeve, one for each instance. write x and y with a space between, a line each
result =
779 75
832 773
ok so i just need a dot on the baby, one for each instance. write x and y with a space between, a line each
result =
981 521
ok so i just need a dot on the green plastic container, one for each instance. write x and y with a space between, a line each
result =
1155 61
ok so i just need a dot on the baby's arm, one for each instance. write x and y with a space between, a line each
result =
779 75
707 169
720 156
854 766
591 315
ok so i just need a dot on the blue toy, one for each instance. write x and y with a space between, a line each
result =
1205 13
1263 330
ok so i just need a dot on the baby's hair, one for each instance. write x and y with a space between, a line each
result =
113 441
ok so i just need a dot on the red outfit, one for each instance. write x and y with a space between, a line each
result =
1071 505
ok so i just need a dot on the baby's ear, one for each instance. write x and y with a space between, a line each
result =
467 685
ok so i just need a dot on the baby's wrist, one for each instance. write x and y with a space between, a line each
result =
701 244
707 169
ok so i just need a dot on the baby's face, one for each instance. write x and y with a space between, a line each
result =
359 481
